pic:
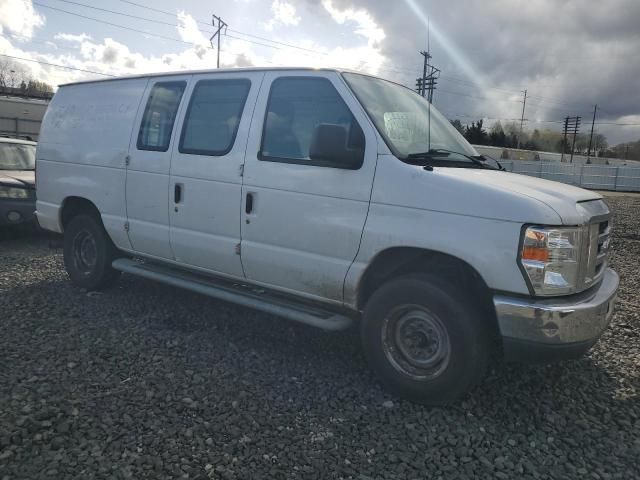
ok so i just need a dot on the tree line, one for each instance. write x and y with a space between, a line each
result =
544 140
16 80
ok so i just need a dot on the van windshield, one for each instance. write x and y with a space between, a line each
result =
407 121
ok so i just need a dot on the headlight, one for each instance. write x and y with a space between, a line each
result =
10 192
551 259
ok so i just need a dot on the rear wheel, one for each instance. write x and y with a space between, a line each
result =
88 253
425 341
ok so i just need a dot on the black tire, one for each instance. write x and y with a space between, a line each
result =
88 253
426 341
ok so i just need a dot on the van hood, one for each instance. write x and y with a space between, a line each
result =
491 194
560 197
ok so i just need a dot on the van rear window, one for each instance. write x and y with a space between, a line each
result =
159 116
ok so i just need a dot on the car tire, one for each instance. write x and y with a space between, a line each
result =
425 340
88 253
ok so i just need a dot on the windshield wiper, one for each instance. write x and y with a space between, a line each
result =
434 153
479 160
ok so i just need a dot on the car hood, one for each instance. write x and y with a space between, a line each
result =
560 197
18 178
484 193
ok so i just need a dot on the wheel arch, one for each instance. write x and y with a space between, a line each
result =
398 261
73 206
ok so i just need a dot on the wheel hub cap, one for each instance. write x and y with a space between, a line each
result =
85 252
416 342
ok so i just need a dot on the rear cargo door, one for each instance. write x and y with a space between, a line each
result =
206 170
147 189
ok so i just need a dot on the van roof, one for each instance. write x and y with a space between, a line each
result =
214 70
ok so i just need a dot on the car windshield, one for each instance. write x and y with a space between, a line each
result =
406 120
17 156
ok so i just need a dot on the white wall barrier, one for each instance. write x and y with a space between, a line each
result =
594 177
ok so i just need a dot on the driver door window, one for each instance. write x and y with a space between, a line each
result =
296 107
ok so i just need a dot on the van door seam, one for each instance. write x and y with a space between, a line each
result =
243 176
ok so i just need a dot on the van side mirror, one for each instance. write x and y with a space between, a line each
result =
329 147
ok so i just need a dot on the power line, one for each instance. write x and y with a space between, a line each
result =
111 24
451 92
619 124
56 65
285 44
124 27
160 22
288 45
203 31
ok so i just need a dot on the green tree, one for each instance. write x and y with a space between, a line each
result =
497 136
458 125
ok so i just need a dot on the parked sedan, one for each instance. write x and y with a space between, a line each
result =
17 181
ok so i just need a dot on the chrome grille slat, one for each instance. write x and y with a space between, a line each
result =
595 251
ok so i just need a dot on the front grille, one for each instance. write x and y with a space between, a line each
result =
597 246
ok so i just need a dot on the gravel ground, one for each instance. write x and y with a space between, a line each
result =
144 381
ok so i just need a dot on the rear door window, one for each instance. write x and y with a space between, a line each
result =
211 123
159 116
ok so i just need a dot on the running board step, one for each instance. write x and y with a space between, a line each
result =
242 294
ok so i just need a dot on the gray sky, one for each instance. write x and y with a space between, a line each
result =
569 55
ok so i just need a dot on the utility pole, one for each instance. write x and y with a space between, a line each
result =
576 128
426 85
524 104
571 125
430 74
593 122
220 25
564 138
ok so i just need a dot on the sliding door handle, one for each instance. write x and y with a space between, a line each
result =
248 205
177 193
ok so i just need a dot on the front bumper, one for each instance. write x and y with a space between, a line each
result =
541 330
16 212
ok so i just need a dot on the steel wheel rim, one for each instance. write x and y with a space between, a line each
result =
85 252
416 342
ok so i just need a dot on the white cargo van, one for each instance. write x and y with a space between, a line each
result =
326 197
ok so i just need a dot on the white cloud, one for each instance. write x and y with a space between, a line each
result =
114 58
19 17
284 13
70 37
366 25
189 32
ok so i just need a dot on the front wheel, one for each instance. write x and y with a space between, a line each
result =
424 340
88 253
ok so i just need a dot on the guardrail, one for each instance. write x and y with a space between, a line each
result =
593 177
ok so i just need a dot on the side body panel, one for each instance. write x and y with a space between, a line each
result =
205 222
147 185
304 229
447 211
82 151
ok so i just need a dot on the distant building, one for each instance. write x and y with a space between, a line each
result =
21 117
